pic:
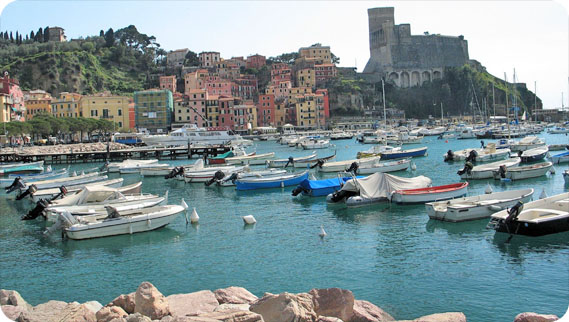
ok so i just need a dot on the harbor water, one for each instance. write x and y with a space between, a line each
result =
390 255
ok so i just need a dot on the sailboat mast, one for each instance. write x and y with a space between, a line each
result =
493 100
507 111
384 113
535 100
442 114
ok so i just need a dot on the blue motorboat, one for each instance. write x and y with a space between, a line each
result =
560 158
285 180
318 188
399 154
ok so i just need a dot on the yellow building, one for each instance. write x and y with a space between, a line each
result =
306 78
212 108
109 107
37 101
310 111
317 53
280 113
6 103
67 105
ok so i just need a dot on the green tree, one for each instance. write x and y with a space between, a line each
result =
110 37
46 34
191 59
101 33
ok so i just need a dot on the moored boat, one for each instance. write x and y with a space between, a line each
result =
485 171
529 142
283 163
310 164
537 218
230 178
250 159
376 151
532 155
205 174
476 207
566 176
136 168
115 166
560 158
31 167
389 166
69 181
5 183
339 166
278 181
523 172
315 144
428 194
400 154
55 192
318 188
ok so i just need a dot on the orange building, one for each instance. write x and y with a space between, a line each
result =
168 82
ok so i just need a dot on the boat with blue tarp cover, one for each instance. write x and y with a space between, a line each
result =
318 188
289 179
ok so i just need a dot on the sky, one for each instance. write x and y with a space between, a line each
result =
531 37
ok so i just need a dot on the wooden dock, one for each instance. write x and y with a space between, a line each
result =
172 153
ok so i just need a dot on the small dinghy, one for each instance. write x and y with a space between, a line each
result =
97 194
54 193
137 167
557 147
560 158
278 181
375 188
429 194
376 150
340 166
15 168
389 166
206 174
315 144
523 172
283 163
529 142
115 222
533 155
69 181
537 218
250 159
115 166
318 188
400 154
229 180
11 181
489 153
311 164
485 171
476 207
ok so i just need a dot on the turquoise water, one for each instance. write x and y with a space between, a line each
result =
393 256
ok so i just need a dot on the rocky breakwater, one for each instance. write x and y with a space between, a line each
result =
67 148
232 304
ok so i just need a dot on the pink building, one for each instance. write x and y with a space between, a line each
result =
168 82
324 72
266 110
226 115
194 80
11 88
245 87
197 107
280 72
282 90
256 61
219 87
244 116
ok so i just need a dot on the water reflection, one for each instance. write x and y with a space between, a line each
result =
519 245
457 228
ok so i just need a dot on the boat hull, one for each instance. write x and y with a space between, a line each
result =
429 194
252 160
526 172
274 183
50 193
412 153
386 167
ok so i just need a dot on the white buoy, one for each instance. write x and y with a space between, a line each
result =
249 220
322 233
82 173
488 189
413 166
543 194
48 168
194 218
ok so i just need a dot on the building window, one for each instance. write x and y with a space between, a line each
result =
120 124
119 112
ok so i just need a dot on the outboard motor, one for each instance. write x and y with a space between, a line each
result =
17 184
232 177
467 169
520 153
449 156
298 190
38 210
112 212
62 192
318 163
291 161
174 173
342 194
218 175
514 212
471 156
353 168
31 190
502 171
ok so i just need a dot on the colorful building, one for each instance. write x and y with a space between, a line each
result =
317 53
266 110
256 61
310 111
37 101
56 34
10 86
280 113
67 105
196 110
245 87
280 72
194 80
226 117
219 87
209 58
325 102
306 78
176 58
109 107
280 91
168 82
6 108
153 110
212 108
324 72
245 117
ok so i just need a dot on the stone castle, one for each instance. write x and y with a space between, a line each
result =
409 60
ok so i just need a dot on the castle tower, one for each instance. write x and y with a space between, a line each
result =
381 25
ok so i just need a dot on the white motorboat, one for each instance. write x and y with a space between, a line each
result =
191 134
537 218
523 172
485 171
96 194
376 150
21 167
250 159
315 144
340 166
69 181
535 154
116 166
115 222
310 164
529 142
341 136
476 207
489 153
203 175
558 130
389 166
53 192
377 187
229 180
466 133
5 183
283 163
156 171
136 168
403 138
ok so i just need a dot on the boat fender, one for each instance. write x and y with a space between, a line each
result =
148 223
30 191
495 208
552 170
449 156
488 189
194 218
249 220
514 212
282 184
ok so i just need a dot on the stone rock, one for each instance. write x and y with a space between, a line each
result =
75 312
232 307
9 297
94 306
150 302
442 317
192 304
126 302
118 320
328 319
333 302
234 295
108 313
13 312
167 318
365 311
535 317
137 317
285 307
44 312
235 316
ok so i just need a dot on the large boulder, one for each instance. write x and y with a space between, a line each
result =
192 304
9 297
150 302
13 312
234 295
137 317
44 312
333 302
285 307
328 319
94 306
126 302
235 316
441 317
535 317
75 312
232 307
108 313
365 311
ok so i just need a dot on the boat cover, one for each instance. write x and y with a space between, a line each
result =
529 140
227 154
89 194
380 185
325 183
